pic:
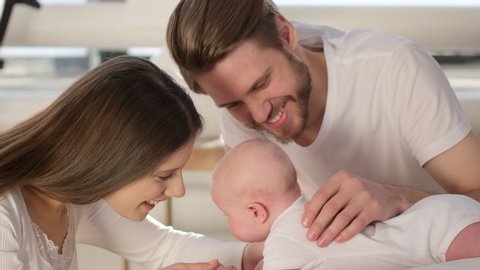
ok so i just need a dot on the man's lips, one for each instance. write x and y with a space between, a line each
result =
278 117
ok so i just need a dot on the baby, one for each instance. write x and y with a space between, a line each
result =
255 186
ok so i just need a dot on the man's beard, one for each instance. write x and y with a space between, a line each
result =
303 90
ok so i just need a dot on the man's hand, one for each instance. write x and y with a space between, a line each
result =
346 204
213 265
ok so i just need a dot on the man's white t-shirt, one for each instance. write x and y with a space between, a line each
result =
389 110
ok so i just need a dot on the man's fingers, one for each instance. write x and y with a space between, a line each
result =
339 222
315 205
351 220
355 227
327 215
368 213
344 206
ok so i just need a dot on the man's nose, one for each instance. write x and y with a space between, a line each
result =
259 109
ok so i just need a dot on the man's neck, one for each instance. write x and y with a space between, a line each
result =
316 63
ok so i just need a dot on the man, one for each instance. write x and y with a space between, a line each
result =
368 118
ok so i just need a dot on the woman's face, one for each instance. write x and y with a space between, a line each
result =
135 200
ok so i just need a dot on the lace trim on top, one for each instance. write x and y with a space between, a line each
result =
49 251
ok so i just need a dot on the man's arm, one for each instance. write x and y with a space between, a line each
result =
346 204
457 170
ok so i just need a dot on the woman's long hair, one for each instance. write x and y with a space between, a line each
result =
111 127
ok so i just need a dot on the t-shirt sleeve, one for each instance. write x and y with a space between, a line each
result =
233 132
430 117
150 243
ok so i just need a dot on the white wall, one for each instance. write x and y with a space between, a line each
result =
143 23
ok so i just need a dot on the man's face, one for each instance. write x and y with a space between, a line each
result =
265 89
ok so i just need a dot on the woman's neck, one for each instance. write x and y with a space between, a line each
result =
49 214
41 200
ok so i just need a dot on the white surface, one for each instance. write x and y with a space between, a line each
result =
468 264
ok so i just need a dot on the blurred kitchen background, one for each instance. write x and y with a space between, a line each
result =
47 44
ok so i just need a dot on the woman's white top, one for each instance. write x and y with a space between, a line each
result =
149 243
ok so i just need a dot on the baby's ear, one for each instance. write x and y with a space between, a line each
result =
258 212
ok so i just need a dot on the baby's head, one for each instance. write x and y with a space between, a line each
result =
252 184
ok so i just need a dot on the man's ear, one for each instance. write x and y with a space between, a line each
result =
286 32
258 212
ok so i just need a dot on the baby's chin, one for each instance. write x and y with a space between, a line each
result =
251 238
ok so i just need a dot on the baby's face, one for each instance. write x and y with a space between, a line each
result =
232 205
239 222
248 169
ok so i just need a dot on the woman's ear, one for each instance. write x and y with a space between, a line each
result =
258 212
286 32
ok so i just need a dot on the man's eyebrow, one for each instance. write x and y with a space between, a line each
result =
255 86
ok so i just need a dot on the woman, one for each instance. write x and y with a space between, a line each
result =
110 147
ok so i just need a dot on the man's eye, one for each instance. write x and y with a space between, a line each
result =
261 85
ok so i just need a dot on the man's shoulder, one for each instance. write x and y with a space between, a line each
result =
349 40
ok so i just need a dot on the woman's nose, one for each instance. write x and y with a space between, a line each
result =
176 189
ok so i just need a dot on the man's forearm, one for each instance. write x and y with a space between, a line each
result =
408 195
473 194
411 195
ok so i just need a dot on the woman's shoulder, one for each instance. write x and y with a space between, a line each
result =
12 203
12 212
92 211
91 208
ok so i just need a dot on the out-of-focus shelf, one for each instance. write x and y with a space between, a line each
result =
204 157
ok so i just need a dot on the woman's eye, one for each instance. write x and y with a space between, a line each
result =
165 177
232 105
